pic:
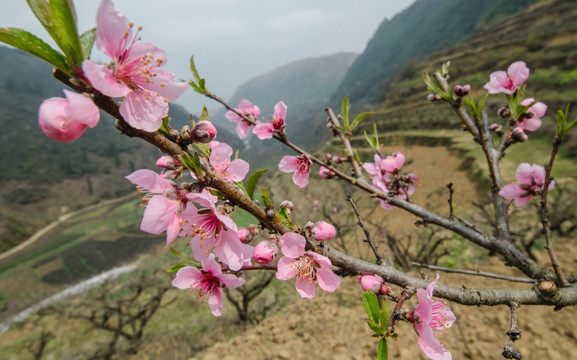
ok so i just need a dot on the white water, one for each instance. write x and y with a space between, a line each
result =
73 290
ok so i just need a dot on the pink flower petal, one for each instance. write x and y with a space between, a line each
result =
186 277
102 78
292 244
305 287
215 301
285 268
288 163
143 111
327 279
518 72
149 180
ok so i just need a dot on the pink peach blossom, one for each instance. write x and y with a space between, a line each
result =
66 119
231 171
249 110
508 82
326 173
211 230
531 120
531 180
165 206
134 73
300 165
432 315
308 267
267 129
208 282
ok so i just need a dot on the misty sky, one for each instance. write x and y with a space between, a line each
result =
233 40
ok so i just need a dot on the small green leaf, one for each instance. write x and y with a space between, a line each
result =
203 148
174 251
385 315
28 42
371 306
359 118
165 127
375 327
87 42
481 104
570 126
174 269
240 185
382 349
345 107
197 88
520 94
193 70
284 217
472 107
192 163
266 199
204 116
253 181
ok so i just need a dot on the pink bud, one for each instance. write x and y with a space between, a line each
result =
326 173
245 235
375 283
289 205
203 132
323 231
167 162
265 252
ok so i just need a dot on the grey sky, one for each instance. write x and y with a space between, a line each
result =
234 40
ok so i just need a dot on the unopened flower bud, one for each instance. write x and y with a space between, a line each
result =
170 174
518 135
323 231
245 235
288 205
329 156
203 132
375 283
497 128
265 252
433 97
337 159
167 162
326 173
504 112
461 91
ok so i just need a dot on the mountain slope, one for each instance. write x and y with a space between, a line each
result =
424 27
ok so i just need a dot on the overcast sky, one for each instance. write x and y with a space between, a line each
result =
233 40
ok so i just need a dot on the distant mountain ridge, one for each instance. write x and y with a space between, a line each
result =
305 86
424 27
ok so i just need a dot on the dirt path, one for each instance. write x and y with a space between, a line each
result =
63 218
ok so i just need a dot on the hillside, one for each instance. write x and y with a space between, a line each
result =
424 27
41 178
544 36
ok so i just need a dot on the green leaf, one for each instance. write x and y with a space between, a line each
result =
266 199
87 42
359 118
203 148
59 19
371 306
472 107
204 116
174 269
28 42
165 128
193 70
240 185
174 251
197 88
520 94
284 217
570 126
192 163
375 327
382 349
253 181
385 315
345 107
481 104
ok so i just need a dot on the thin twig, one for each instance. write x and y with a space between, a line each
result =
450 200
514 334
545 214
346 142
374 247
476 273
